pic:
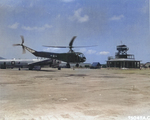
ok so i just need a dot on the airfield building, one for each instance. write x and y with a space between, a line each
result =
95 65
122 59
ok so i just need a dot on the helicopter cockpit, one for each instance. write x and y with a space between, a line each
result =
81 56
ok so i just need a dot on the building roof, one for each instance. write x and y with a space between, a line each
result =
95 64
123 60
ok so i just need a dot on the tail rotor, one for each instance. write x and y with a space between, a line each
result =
23 47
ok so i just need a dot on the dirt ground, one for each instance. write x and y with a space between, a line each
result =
80 94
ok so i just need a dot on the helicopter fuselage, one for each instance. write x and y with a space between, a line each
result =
73 57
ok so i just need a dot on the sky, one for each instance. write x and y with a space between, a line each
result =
105 23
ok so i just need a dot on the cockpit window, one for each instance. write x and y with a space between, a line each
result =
81 55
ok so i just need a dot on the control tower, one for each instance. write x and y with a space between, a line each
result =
122 52
123 59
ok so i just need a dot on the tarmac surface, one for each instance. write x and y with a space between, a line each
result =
80 94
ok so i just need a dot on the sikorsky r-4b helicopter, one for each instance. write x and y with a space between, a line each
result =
69 57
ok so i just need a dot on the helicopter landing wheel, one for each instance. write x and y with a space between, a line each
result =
67 65
59 68
77 65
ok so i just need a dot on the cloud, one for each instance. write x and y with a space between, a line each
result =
77 16
91 52
46 26
14 26
31 4
117 17
9 3
103 53
82 50
52 49
67 0
145 8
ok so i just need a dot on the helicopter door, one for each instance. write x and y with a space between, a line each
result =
77 58
3 66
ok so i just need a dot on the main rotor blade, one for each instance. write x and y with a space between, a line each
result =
57 46
84 46
72 40
69 46
16 44
23 50
22 39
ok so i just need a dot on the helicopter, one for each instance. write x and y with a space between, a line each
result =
69 57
